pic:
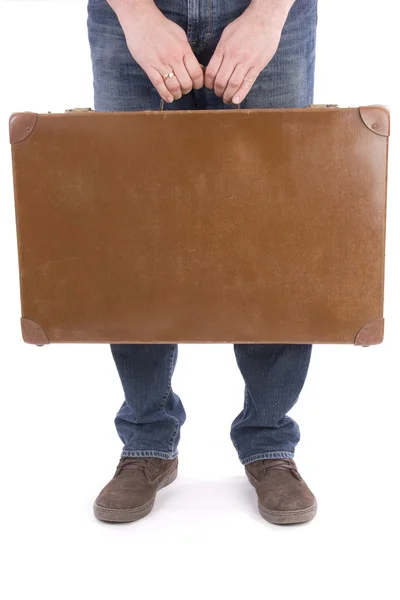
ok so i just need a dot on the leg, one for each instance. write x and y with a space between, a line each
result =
151 415
274 375
264 436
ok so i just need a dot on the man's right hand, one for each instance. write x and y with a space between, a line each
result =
159 46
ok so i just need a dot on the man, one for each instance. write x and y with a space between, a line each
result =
260 54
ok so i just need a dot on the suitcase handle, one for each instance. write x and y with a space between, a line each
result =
162 102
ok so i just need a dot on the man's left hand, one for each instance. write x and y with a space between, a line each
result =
246 47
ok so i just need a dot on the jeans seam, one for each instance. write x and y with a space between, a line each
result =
267 455
208 33
190 27
149 454
169 388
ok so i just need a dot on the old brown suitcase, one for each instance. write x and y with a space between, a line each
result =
202 226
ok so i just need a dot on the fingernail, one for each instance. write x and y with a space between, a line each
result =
170 99
236 99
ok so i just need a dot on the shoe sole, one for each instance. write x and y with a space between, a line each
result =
284 517
128 515
289 517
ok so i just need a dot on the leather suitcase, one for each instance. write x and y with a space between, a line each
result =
223 226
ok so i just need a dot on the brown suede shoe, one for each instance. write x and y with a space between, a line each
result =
283 496
131 493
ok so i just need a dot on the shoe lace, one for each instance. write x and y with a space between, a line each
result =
281 465
138 464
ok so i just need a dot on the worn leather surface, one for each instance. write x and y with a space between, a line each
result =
279 486
135 482
263 226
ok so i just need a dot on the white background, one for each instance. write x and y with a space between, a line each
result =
204 537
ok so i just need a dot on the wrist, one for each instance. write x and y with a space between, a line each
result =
272 9
124 8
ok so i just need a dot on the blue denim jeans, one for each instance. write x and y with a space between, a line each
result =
152 414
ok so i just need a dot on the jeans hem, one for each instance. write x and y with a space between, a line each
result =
149 454
266 455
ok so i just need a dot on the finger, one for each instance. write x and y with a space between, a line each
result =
195 70
171 83
248 82
158 82
234 83
213 68
224 74
183 77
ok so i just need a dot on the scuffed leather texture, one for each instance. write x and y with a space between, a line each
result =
135 482
279 485
259 226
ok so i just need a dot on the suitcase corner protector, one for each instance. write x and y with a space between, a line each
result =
376 118
32 333
371 334
21 126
